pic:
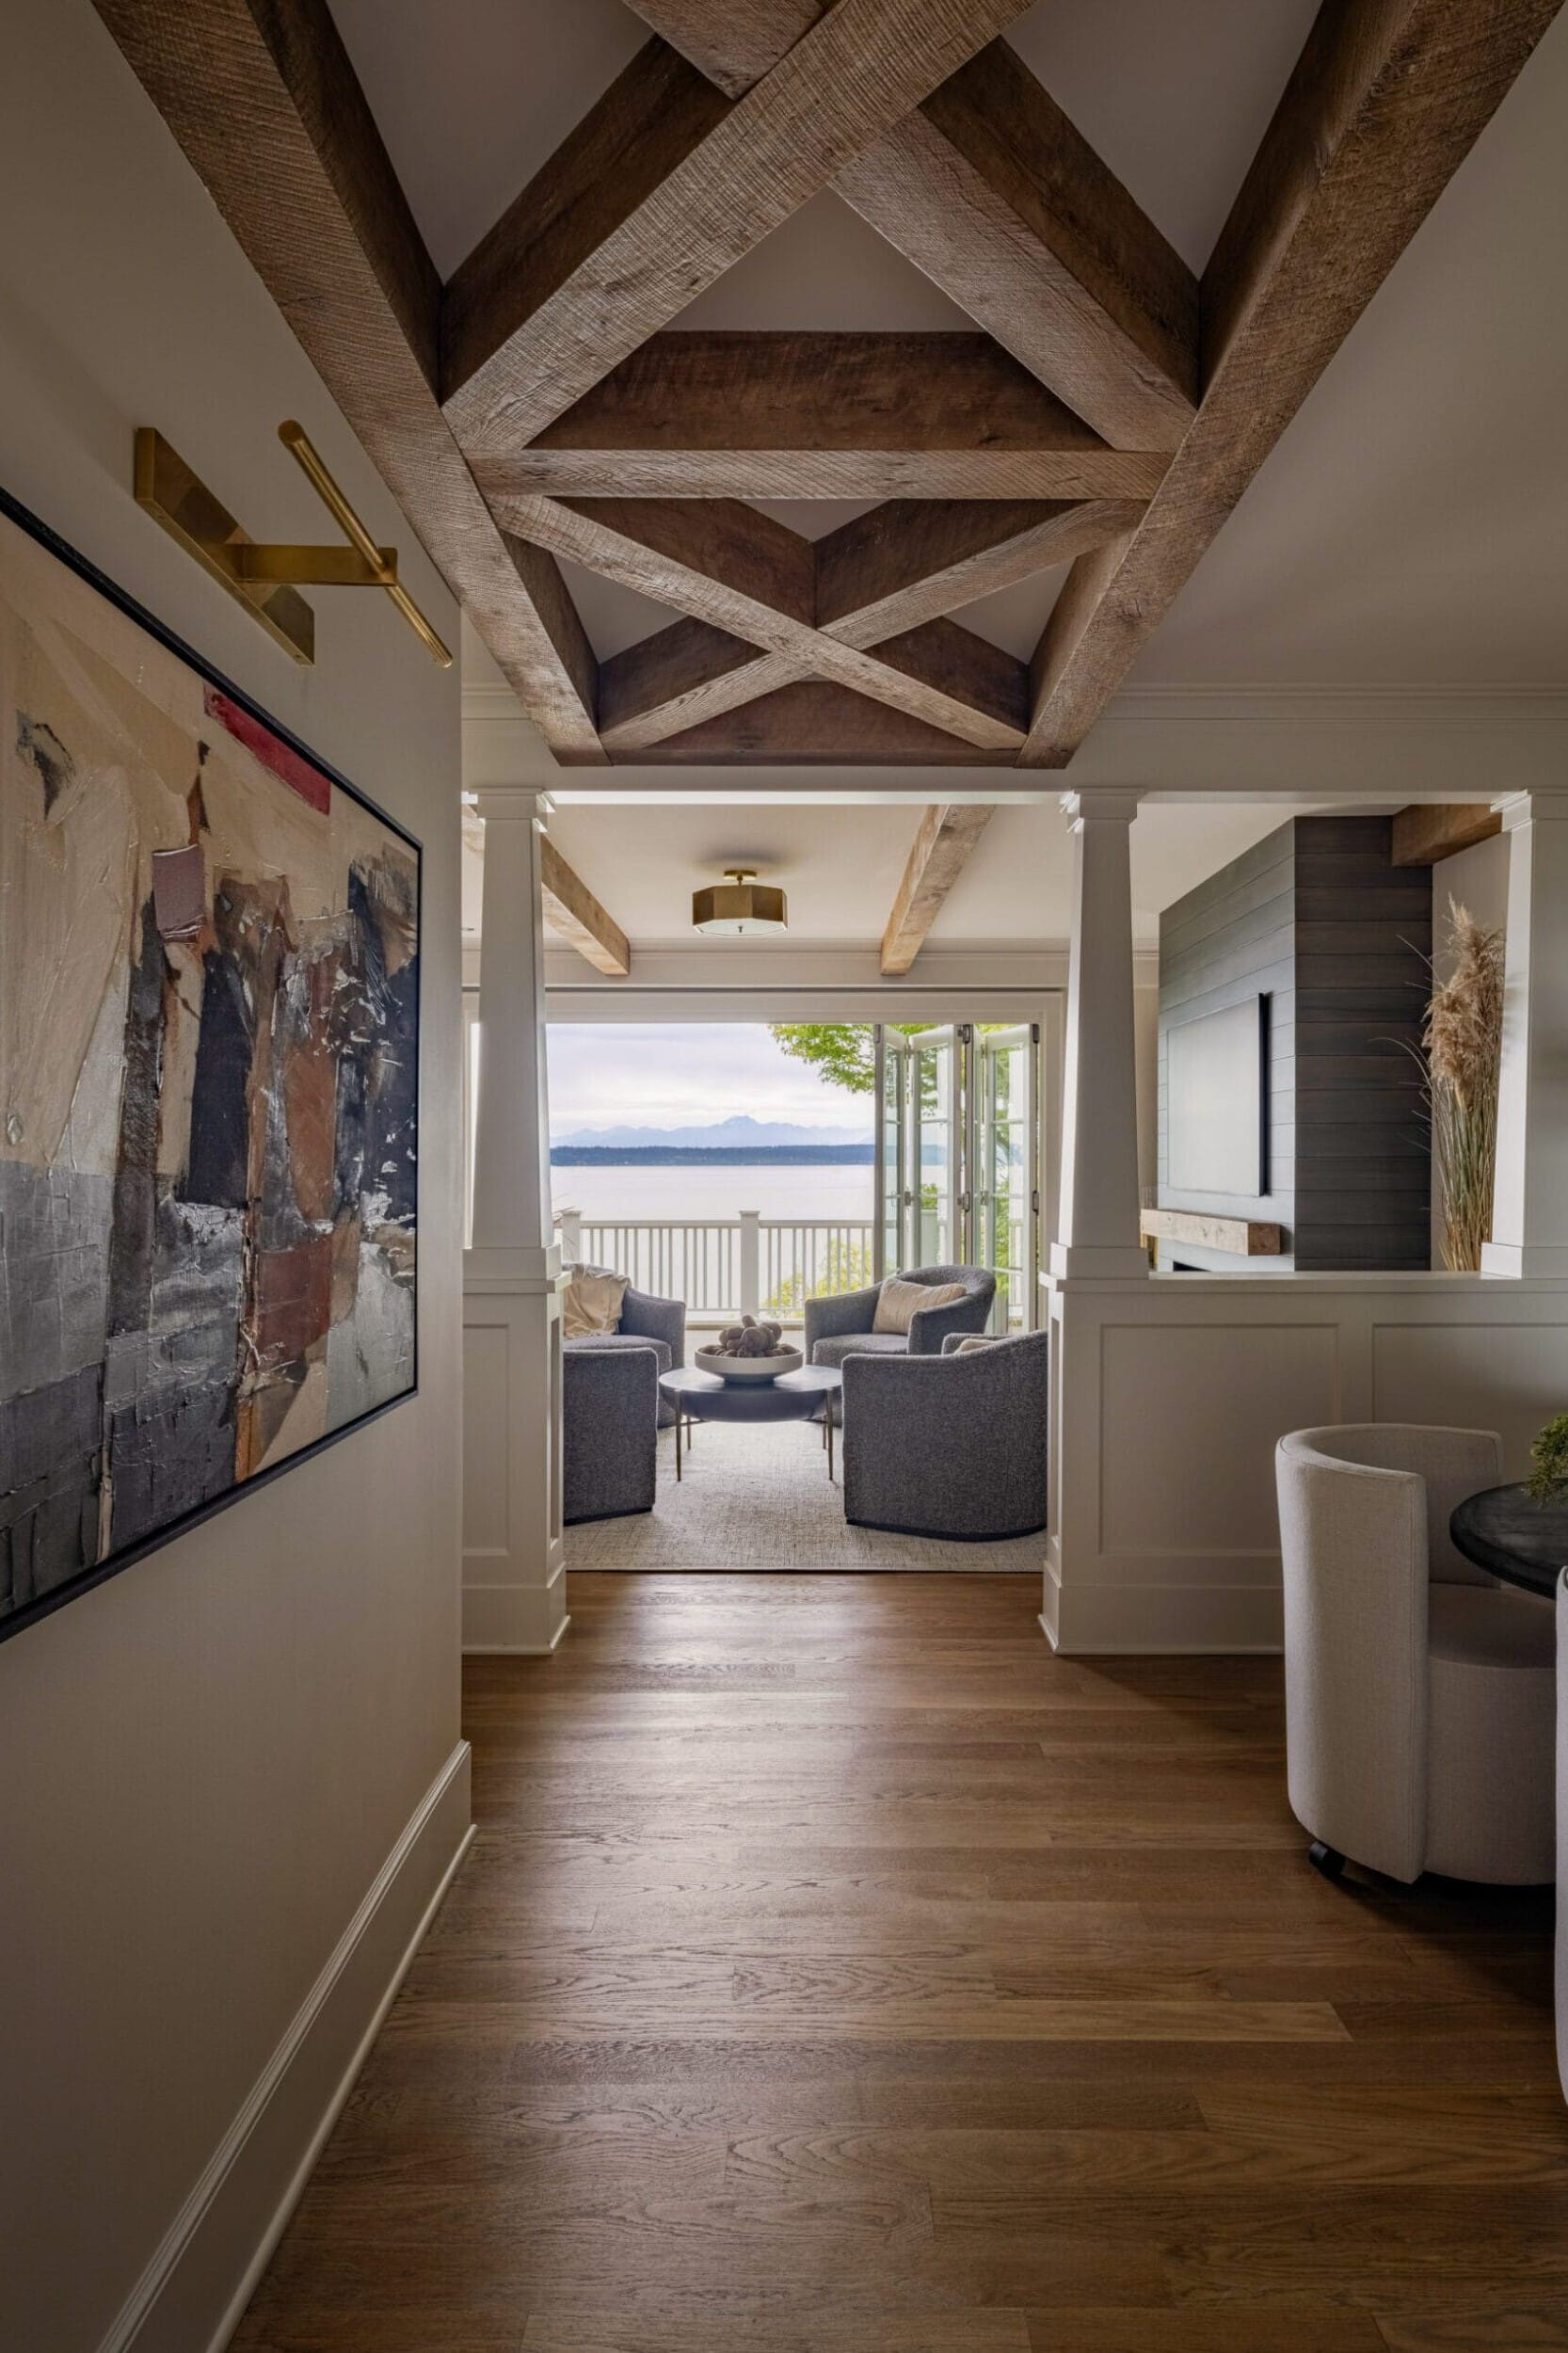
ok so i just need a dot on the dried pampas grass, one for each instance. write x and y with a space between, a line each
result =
1462 1046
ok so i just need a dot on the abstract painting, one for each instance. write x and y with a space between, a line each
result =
209 1063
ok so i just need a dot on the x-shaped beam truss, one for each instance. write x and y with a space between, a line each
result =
1110 412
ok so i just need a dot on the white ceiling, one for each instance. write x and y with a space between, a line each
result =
1410 525
840 866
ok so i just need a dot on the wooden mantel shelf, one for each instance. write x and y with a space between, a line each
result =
1244 1236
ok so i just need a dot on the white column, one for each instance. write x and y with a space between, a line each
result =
1530 1215
514 1570
1098 1225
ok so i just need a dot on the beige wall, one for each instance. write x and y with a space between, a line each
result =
205 1763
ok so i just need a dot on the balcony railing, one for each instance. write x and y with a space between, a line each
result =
724 1267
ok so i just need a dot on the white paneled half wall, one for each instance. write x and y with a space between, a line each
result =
1169 1397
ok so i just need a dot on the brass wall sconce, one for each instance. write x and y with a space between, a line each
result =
266 578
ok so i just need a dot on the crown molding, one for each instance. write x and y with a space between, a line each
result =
1463 741
750 977
1316 702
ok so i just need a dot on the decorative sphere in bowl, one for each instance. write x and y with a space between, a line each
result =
747 1367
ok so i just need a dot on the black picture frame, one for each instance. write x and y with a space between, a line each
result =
29 1613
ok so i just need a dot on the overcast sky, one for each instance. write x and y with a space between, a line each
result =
685 1073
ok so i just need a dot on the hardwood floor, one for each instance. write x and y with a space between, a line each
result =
837 1971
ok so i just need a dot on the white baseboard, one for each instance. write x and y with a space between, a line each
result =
193 2292
521 1621
1103 1621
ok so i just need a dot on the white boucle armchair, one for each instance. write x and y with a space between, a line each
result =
1420 1694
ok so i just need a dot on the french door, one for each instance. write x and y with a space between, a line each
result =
958 1156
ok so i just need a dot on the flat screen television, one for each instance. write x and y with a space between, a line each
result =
1217 1102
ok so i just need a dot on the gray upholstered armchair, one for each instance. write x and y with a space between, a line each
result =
840 1326
953 1446
610 1436
644 1321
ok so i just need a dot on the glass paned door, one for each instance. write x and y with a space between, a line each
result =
1007 1174
937 1147
894 1194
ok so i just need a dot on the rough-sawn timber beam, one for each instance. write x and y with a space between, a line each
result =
941 849
575 916
993 194
1429 830
267 106
742 574
737 414
898 570
519 345
1385 102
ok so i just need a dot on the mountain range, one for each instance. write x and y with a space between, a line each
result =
737 1133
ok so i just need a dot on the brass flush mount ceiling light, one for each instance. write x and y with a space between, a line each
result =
740 904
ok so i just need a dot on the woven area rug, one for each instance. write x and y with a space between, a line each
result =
758 1497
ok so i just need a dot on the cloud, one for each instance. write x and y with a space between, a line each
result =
682 1074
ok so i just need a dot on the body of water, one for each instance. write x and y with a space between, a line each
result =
715 1190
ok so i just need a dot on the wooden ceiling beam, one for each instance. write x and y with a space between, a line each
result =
1386 101
740 572
879 578
990 190
265 105
1429 831
575 916
790 414
910 560
811 723
627 257
942 849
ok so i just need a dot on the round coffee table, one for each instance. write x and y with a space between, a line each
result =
793 1396
1505 1530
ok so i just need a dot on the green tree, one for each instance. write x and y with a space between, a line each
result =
844 1051
849 1268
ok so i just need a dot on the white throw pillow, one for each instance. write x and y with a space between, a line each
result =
590 1302
975 1340
899 1301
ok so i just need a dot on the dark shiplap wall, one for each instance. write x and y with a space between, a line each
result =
1363 937
1228 941
1317 918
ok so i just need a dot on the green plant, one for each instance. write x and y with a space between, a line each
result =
1462 1047
1550 1454
848 1268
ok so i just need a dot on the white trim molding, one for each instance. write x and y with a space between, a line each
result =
1464 740
192 2294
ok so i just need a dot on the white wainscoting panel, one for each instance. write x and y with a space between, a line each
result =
1169 1395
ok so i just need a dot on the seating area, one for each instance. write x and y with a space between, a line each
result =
944 1426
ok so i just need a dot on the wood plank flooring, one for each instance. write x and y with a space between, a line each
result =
837 1971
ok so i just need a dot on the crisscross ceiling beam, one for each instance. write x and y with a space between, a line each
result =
992 192
889 575
518 348
741 572
1385 103
591 429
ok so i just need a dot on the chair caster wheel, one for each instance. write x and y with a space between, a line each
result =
1325 1859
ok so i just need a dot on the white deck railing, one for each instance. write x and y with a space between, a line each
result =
745 1265
726 1266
